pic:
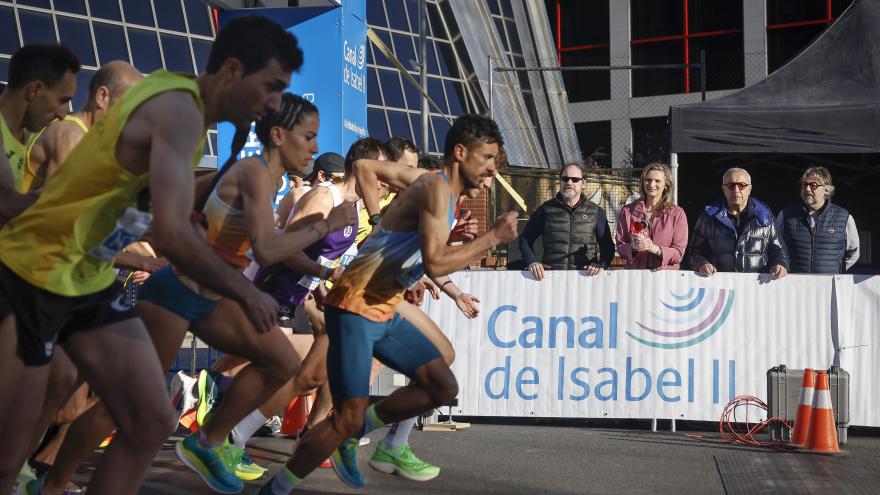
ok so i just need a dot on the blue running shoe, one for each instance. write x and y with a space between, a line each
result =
344 461
212 464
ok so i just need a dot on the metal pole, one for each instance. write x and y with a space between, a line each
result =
673 165
703 73
491 81
193 349
423 71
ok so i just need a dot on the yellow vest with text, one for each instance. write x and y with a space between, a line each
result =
64 242
15 151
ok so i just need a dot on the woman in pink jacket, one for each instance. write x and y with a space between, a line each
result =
653 232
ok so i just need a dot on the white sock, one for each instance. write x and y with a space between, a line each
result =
246 428
398 434
283 482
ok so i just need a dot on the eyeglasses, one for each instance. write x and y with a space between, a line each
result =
812 185
736 185
566 178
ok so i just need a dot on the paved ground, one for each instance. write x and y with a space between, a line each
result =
511 459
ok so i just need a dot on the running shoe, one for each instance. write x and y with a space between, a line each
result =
403 462
32 487
183 392
271 428
344 461
25 475
245 467
212 464
363 441
209 394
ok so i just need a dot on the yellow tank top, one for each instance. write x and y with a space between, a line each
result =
67 241
30 179
16 152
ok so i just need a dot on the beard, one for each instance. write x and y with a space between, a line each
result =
569 194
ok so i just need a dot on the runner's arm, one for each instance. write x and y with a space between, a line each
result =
11 201
313 207
59 144
368 173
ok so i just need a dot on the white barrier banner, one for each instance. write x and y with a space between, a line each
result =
630 344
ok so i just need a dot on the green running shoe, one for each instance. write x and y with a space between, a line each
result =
209 394
403 462
212 464
245 467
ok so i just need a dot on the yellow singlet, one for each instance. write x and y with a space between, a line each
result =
30 179
16 152
66 242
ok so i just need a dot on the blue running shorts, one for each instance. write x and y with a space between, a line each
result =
164 289
355 340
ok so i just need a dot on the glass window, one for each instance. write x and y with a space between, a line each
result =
515 45
435 21
838 6
448 65
457 97
650 138
587 85
377 124
651 18
784 44
397 15
412 10
416 120
441 128
4 70
399 123
594 139
373 95
390 82
169 15
404 50
36 27
380 58
198 18
111 42
8 32
657 81
413 97
783 11
435 91
709 15
138 12
433 68
144 50
212 138
75 33
376 14
201 49
105 9
45 4
493 7
72 6
724 62
506 9
83 77
176 52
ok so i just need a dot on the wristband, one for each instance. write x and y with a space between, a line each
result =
444 284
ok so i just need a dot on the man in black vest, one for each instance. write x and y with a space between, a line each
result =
821 236
575 231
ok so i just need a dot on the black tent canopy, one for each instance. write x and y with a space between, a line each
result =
825 100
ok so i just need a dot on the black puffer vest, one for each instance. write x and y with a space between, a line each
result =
569 234
817 250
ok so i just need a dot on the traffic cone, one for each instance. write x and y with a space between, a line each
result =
805 407
822 437
296 414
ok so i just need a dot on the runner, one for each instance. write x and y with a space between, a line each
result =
42 82
59 253
360 309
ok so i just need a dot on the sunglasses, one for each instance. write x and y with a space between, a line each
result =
812 185
566 178
736 185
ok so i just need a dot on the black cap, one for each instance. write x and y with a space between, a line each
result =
330 163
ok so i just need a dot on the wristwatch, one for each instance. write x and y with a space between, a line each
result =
375 219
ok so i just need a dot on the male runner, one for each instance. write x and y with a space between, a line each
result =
56 276
360 309
42 81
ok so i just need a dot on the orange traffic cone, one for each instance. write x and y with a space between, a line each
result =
822 437
805 407
296 414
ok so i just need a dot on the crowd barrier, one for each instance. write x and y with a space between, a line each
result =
642 344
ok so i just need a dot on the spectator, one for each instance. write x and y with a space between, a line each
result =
329 167
737 234
574 229
821 237
402 150
653 232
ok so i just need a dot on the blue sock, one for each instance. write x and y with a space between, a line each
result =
371 422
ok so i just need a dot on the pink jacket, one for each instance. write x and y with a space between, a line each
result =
668 229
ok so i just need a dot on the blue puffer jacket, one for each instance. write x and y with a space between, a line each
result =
756 249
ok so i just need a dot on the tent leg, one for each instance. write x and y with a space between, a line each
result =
673 165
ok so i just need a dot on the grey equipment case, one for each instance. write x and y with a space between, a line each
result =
783 395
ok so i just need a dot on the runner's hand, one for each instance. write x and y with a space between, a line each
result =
467 303
342 216
261 309
504 227
336 274
432 288
465 229
415 294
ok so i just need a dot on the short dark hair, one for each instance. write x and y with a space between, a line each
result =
41 62
470 128
369 148
254 41
429 162
397 146
292 111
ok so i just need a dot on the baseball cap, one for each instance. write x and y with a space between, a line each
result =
330 163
